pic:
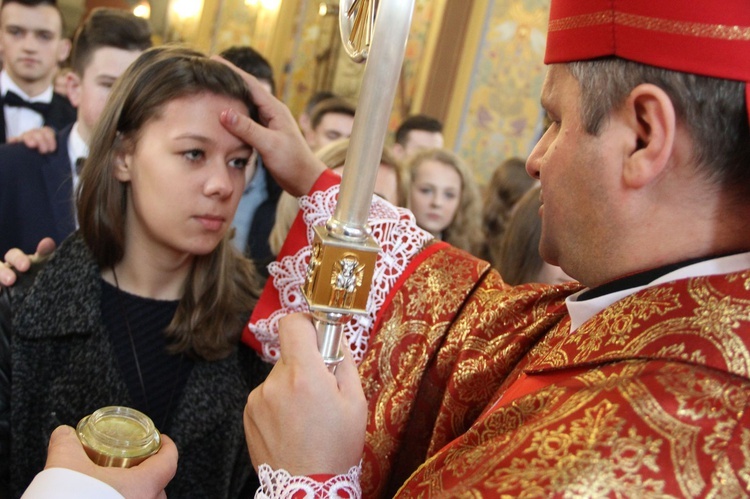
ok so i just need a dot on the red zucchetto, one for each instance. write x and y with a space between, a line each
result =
710 38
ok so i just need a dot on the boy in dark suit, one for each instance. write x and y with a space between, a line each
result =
32 45
36 189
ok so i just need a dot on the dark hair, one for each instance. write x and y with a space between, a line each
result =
713 111
316 99
416 122
251 61
106 27
334 105
222 286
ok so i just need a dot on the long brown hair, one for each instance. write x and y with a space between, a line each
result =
221 287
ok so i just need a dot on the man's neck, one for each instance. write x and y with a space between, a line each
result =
29 89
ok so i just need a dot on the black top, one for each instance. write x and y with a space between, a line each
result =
164 374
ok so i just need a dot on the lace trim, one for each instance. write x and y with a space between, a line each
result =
400 239
276 484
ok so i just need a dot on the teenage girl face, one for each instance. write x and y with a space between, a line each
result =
186 175
435 195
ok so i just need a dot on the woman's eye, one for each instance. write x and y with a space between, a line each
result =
193 154
239 163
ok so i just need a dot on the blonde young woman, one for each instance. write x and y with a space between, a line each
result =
445 199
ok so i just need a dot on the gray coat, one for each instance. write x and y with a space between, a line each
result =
63 368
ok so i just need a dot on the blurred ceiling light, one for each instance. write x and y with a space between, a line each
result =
264 4
328 9
142 9
185 9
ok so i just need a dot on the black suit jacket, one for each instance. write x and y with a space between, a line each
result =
36 195
61 114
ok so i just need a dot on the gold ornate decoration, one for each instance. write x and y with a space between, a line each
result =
357 23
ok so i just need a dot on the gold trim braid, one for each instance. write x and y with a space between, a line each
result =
718 31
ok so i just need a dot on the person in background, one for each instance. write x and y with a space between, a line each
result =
445 199
519 261
509 182
417 133
60 83
389 184
304 118
330 120
36 185
31 47
144 305
257 210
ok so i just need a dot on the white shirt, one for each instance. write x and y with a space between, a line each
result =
21 119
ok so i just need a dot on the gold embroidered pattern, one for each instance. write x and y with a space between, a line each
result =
719 31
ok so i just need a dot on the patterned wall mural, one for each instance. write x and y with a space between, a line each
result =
501 115
316 42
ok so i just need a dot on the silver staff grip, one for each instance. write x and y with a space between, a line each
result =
344 253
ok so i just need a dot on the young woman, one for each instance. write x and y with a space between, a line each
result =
444 198
144 305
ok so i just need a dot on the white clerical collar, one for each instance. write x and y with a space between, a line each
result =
6 83
581 311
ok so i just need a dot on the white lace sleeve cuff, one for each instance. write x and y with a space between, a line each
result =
279 484
400 239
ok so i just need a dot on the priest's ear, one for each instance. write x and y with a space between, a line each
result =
651 118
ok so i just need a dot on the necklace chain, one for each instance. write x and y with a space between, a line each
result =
136 359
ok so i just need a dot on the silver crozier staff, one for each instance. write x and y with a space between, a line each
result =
344 253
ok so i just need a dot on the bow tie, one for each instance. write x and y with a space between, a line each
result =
14 100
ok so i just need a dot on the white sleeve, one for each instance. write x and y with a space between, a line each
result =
62 483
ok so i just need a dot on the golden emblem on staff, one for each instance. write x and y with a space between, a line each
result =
340 273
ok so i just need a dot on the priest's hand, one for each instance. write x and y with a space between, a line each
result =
18 261
277 139
303 418
145 480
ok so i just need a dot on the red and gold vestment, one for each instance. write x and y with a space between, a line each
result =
484 390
